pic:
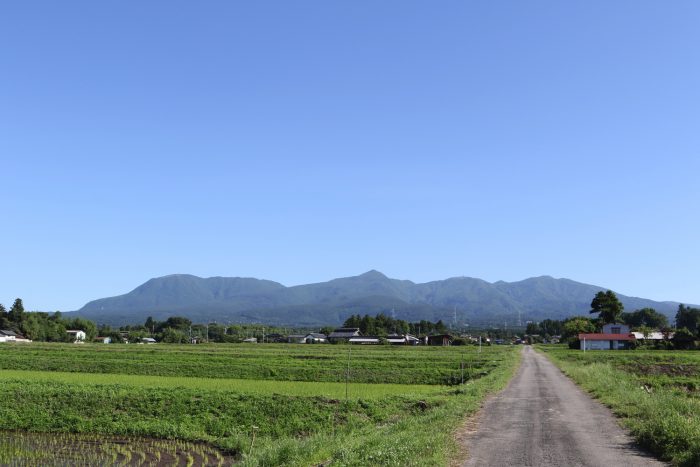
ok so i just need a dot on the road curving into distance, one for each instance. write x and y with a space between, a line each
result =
543 419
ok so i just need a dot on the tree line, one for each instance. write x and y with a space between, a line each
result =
40 326
383 325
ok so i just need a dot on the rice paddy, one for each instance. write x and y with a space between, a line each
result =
257 405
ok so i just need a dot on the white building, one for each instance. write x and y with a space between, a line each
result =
652 336
7 336
615 336
77 335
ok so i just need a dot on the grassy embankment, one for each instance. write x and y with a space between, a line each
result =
655 392
98 389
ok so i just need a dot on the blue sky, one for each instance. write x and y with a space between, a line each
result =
302 141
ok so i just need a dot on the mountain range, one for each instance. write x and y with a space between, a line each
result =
465 300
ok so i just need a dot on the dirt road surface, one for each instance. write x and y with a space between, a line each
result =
544 419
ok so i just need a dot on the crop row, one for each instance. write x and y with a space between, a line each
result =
390 365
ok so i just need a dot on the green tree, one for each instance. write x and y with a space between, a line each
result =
4 318
647 317
151 324
88 326
688 318
175 322
174 336
683 339
17 314
608 307
576 325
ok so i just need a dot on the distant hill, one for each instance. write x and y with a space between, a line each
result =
237 299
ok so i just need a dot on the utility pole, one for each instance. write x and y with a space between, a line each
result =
347 375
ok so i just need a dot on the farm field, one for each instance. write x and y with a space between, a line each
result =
259 404
278 362
655 392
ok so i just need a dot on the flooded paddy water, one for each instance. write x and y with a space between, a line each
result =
63 449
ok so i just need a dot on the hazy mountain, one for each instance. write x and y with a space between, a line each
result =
236 299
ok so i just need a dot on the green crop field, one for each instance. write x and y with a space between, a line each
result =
260 404
656 392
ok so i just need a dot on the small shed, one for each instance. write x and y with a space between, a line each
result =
440 339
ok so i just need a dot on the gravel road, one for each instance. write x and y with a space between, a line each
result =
543 419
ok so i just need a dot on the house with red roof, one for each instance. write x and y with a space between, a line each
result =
614 336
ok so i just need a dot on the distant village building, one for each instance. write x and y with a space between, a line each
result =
275 337
10 336
76 335
315 338
251 340
439 339
399 339
103 340
615 336
7 336
343 334
296 338
364 340
148 340
654 336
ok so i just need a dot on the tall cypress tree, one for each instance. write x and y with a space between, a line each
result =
16 314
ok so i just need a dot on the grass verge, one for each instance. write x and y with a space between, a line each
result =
665 421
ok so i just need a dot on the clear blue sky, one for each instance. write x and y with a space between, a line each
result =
306 140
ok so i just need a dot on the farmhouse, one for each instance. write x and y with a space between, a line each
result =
343 334
296 339
615 336
7 336
315 338
103 340
76 335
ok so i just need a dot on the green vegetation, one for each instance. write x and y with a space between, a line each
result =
229 396
608 307
369 364
382 325
42 326
657 394
61 449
